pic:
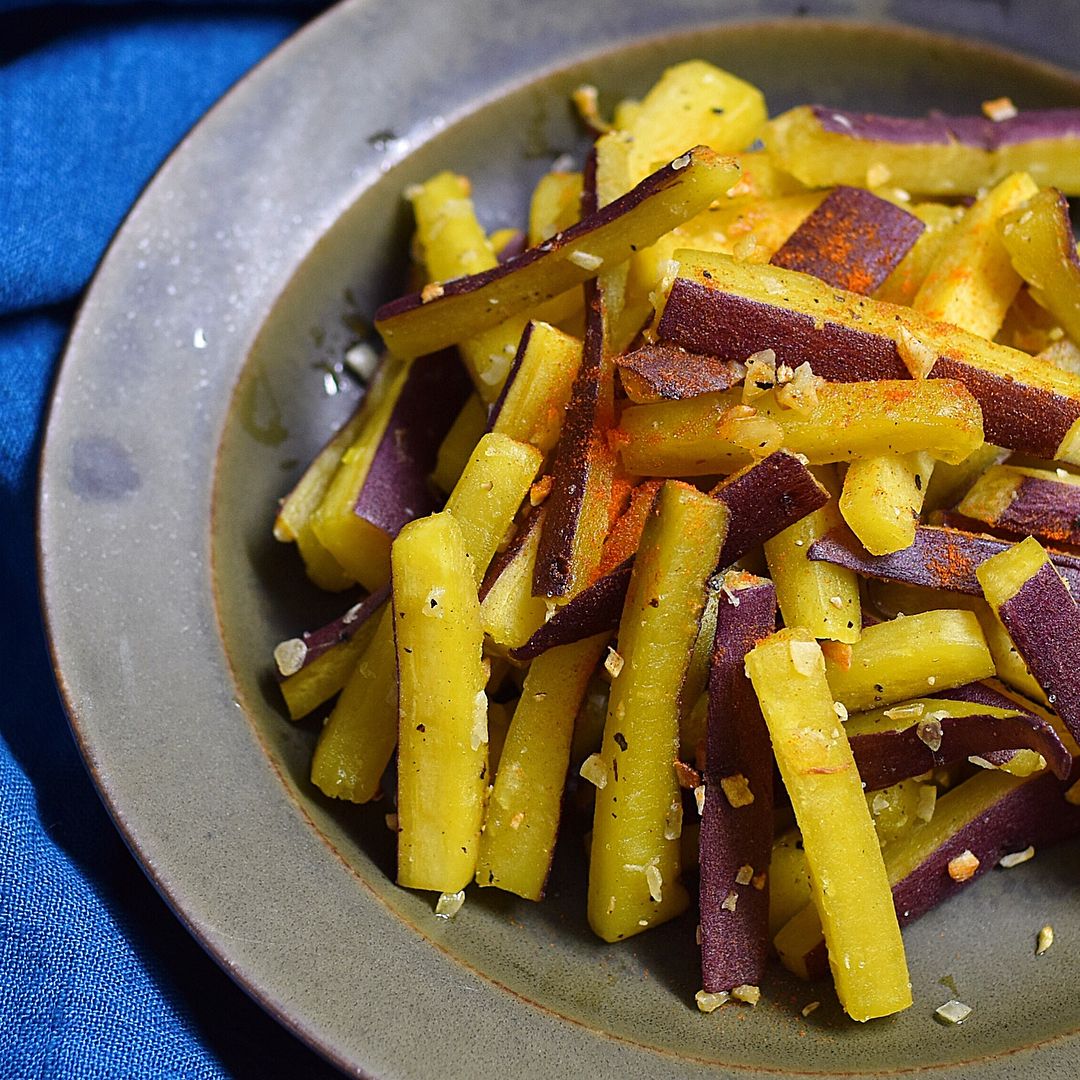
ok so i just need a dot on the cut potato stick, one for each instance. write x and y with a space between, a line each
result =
510 612
737 824
358 739
905 281
882 499
522 818
1026 502
625 535
932 155
948 483
464 307
382 481
555 205
655 372
852 240
714 108
972 282
907 657
923 734
442 746
850 888
762 500
454 245
715 433
789 881
823 598
315 666
458 444
1039 239
732 310
635 859
486 498
537 390
939 558
1043 620
990 815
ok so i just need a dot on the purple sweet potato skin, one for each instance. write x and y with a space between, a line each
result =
503 558
734 944
707 320
1045 508
852 240
940 558
1035 813
764 499
1014 415
594 610
940 129
343 627
1043 621
887 757
397 489
733 327
672 373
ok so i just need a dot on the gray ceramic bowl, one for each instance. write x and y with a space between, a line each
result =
194 388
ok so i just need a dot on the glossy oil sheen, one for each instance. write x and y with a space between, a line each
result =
285 209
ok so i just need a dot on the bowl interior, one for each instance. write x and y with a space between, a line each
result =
292 394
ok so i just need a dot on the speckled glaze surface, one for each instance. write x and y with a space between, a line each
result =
194 388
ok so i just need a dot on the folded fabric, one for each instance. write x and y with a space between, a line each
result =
97 977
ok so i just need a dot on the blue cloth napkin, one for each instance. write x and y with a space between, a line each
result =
97 976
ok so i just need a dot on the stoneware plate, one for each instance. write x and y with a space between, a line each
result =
205 369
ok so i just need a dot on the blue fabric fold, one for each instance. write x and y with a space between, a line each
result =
97 977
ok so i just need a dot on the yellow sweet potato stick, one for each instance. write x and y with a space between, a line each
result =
455 449
882 498
537 391
635 862
713 108
523 812
358 738
824 601
909 657
905 281
410 326
850 888
454 245
716 433
972 282
1040 243
486 498
442 749
721 307
510 612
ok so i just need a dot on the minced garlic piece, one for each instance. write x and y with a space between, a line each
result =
841 711
737 790
744 875
479 734
878 175
760 375
681 162
585 260
449 904
962 867
758 880
1046 939
930 733
999 109
953 1012
517 819
806 657
290 656
431 291
744 247
708 1003
673 821
751 995
813 1006
654 879
699 798
918 357
1015 858
905 712
594 770
801 392
613 663
730 901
